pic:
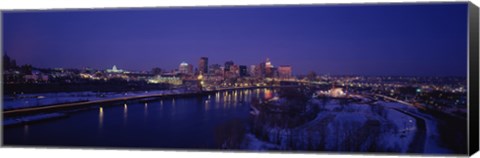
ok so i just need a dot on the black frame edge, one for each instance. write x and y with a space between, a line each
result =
473 105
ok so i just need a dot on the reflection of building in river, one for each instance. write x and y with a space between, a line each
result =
268 94
100 117
125 114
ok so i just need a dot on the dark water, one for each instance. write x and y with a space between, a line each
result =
168 123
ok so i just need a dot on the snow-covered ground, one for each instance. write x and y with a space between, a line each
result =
256 144
396 129
42 99
402 133
432 136
384 127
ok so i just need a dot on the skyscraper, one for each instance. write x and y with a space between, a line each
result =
243 70
228 64
269 69
215 69
285 71
252 70
268 63
261 69
235 70
185 68
203 65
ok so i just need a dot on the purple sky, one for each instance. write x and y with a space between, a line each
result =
336 39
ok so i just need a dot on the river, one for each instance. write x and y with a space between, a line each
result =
186 122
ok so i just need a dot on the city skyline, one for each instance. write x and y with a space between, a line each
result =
325 39
363 78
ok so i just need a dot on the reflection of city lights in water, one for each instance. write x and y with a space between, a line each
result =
173 103
226 100
145 111
100 118
207 105
173 110
100 115
125 111
217 98
235 99
161 104
245 95
268 94
25 131
230 99
225 95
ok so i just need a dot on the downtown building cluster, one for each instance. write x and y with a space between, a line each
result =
445 94
232 70
228 74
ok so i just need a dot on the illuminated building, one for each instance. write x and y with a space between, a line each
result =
229 69
166 79
252 70
337 92
334 92
203 65
215 69
234 69
285 71
228 64
269 69
36 77
114 70
268 63
185 68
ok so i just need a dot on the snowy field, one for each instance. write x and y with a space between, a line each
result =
432 136
382 127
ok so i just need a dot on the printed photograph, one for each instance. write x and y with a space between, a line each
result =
350 78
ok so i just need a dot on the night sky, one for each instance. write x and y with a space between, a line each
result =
419 40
